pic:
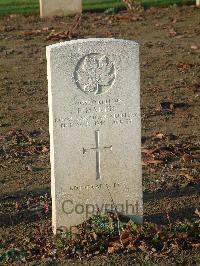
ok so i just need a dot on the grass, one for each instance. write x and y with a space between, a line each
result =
32 6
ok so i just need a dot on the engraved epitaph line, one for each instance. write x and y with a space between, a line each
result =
98 150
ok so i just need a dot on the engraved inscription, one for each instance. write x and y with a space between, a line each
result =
95 74
98 150
102 112
91 120
96 186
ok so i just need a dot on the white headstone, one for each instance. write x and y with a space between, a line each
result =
49 8
198 2
95 129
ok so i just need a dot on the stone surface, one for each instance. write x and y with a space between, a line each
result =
95 129
49 8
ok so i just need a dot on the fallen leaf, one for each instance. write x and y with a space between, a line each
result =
115 247
142 246
61 35
184 66
160 136
94 235
45 149
189 177
18 206
131 247
74 230
153 162
172 33
197 212
111 250
174 20
175 246
181 235
195 245
29 33
45 28
187 157
194 47
148 151
125 234
28 168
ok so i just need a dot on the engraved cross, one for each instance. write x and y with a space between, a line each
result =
98 150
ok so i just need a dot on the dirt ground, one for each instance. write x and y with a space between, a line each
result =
169 41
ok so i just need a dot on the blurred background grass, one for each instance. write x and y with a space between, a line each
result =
32 6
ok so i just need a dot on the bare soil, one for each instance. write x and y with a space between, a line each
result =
169 41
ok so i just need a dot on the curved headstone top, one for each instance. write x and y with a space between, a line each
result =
90 40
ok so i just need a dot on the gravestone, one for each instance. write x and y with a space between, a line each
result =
95 129
198 2
49 8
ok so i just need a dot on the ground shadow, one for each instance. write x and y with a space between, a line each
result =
172 192
171 216
29 216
